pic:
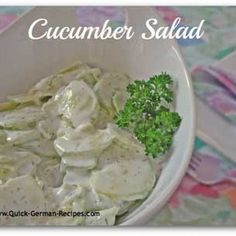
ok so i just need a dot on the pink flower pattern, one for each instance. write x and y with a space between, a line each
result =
5 20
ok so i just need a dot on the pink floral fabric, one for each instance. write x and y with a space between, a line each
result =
219 89
5 20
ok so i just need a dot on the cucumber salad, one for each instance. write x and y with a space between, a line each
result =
61 148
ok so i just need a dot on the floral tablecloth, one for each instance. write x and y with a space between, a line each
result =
193 203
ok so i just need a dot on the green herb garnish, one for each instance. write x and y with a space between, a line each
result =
147 115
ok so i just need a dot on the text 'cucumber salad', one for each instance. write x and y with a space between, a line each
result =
83 140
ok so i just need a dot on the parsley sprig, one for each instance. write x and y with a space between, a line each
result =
147 115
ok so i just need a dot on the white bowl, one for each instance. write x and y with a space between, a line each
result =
24 61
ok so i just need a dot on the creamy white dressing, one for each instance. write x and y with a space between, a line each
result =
22 194
60 150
